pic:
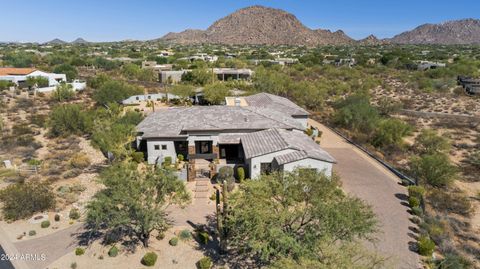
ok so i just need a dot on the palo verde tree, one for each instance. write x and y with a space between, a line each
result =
133 202
298 215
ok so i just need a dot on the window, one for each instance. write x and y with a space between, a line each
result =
164 147
157 147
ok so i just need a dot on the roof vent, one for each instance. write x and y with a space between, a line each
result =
237 101
245 119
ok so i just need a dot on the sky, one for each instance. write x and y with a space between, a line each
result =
114 20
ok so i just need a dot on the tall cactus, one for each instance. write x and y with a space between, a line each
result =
222 213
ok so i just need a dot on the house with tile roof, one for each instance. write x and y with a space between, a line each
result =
263 136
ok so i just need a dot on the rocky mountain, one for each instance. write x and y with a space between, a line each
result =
56 41
466 31
79 41
372 40
259 25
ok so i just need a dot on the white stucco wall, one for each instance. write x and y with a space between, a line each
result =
254 163
159 155
321 166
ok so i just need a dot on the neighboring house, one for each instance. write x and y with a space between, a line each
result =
19 77
259 137
136 99
156 67
202 57
171 76
350 62
223 74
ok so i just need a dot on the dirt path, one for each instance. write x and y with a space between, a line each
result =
365 178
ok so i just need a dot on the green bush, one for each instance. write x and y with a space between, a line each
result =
416 191
425 246
32 233
69 119
149 259
225 173
180 157
413 202
433 169
57 217
185 235
173 241
138 157
240 174
203 237
74 214
113 251
24 199
417 211
205 263
45 224
79 251
167 161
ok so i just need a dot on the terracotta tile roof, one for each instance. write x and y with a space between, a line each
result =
5 71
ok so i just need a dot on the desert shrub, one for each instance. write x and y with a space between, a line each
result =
73 265
390 132
203 237
45 224
25 199
173 241
74 213
309 131
425 246
454 261
416 191
38 120
149 259
57 217
160 236
225 173
63 92
167 161
137 157
112 91
429 142
180 157
32 233
433 169
450 202
417 211
413 202
72 173
69 119
205 263
80 161
241 174
185 235
356 114
113 251
79 251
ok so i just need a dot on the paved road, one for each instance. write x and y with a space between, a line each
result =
365 178
53 246
4 262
